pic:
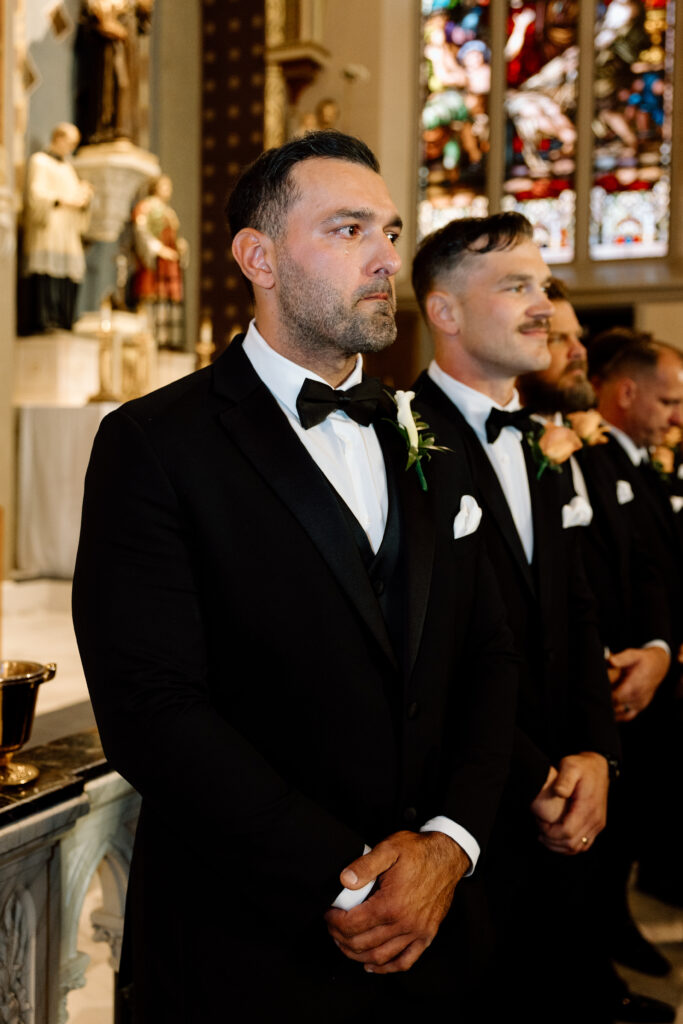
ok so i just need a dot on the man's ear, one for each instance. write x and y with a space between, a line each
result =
626 392
252 251
443 312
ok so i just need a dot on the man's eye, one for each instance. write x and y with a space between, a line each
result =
393 236
348 230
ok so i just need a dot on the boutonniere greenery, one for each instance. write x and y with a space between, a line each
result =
551 445
417 435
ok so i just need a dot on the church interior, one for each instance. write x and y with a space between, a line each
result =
568 113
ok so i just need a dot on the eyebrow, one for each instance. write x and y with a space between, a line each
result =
363 213
521 279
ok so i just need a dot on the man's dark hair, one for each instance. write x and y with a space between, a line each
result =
443 250
557 290
264 191
621 351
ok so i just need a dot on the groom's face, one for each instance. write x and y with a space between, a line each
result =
336 261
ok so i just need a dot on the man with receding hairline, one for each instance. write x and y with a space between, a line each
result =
639 385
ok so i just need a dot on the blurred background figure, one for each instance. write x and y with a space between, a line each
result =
160 257
56 215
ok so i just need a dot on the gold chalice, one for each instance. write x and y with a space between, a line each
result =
19 682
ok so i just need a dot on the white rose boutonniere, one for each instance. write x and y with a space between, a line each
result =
415 432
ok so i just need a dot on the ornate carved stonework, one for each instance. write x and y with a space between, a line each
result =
16 962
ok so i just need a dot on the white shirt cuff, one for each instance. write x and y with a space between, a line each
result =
458 834
350 898
659 643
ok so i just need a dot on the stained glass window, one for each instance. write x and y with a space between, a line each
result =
522 146
455 120
542 66
633 98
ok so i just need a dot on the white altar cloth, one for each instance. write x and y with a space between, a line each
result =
53 451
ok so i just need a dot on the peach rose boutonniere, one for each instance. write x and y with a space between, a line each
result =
552 446
589 427
663 456
662 459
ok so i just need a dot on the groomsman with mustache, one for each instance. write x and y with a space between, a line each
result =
482 286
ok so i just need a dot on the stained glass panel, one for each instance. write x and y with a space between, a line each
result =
542 61
456 77
632 129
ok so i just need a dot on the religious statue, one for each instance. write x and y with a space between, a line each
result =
108 68
56 214
161 255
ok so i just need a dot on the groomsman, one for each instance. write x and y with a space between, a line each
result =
482 287
293 648
639 384
634 619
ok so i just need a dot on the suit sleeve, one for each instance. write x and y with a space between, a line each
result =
138 619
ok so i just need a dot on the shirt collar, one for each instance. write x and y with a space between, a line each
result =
282 377
635 454
475 406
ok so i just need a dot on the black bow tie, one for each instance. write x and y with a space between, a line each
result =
498 418
316 401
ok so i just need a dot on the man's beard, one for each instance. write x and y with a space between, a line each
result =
548 398
317 317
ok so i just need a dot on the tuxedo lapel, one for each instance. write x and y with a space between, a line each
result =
417 526
257 426
546 514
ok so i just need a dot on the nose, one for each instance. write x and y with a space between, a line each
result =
676 417
576 348
385 260
540 305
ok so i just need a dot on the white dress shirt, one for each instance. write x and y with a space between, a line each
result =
505 454
351 458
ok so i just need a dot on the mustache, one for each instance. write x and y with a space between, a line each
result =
533 325
577 364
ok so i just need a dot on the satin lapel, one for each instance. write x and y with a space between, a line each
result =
417 532
488 485
546 511
257 426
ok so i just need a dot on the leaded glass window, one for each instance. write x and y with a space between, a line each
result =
557 109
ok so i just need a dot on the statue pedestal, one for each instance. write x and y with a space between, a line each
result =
56 369
116 170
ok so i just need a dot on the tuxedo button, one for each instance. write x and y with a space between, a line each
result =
409 814
378 587
413 710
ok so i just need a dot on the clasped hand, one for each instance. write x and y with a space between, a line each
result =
571 808
416 875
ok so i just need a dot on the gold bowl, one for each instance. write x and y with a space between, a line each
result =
19 682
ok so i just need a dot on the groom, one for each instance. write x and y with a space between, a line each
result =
295 652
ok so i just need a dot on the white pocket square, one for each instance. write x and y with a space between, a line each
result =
577 513
676 502
468 518
624 492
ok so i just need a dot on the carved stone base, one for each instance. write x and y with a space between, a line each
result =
116 170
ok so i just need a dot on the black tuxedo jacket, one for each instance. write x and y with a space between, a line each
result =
630 589
244 682
564 702
658 529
